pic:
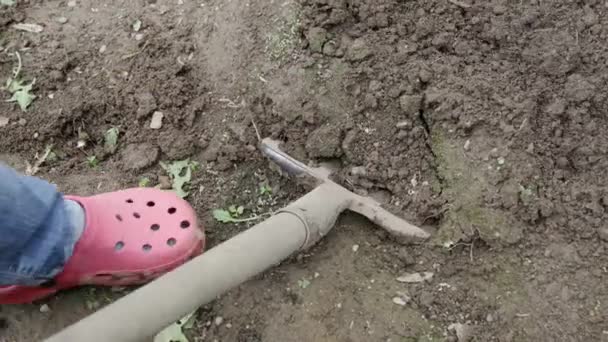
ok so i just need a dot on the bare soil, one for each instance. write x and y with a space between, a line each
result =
483 122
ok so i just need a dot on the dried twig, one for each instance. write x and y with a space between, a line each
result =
257 133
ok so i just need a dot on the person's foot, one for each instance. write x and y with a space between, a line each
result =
130 237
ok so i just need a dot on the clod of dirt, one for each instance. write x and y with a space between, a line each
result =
557 107
578 88
176 144
139 156
4 121
147 104
213 149
603 233
464 332
317 36
325 142
57 76
406 258
164 182
358 50
157 120
410 104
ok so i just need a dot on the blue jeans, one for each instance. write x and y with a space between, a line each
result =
37 229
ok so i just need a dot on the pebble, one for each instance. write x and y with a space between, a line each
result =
399 301
72 3
103 48
45 308
228 325
355 248
501 161
139 36
4 121
219 320
22 122
467 145
157 120
61 20
417 277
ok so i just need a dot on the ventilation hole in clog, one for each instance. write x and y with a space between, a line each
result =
171 242
150 204
129 201
119 245
155 227
118 217
185 224
136 215
171 210
146 247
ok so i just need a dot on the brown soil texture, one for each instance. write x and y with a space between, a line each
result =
484 122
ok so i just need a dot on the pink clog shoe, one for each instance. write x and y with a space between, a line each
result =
131 237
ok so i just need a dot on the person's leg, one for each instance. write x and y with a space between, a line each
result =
38 229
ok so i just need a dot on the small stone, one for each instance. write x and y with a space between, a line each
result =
417 277
219 320
411 104
399 301
22 122
317 36
228 325
44 308
61 20
355 248
72 3
489 318
467 145
358 171
103 48
501 161
164 182
4 121
139 36
157 120
603 233
425 75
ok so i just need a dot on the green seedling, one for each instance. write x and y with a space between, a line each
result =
136 25
92 161
265 190
20 89
303 283
110 140
175 332
180 173
143 182
231 216
236 211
